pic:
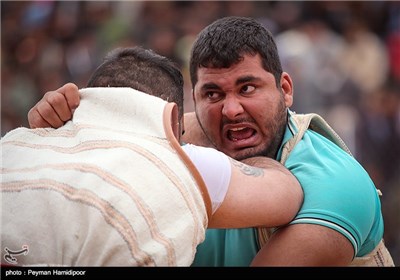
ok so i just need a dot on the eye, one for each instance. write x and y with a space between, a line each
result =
247 89
213 95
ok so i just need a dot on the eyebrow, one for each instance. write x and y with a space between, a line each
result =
241 80
246 79
208 86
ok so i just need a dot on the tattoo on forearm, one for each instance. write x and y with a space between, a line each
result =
247 169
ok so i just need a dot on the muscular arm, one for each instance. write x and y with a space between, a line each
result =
269 196
305 245
291 245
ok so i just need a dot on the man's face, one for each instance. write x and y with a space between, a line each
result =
240 108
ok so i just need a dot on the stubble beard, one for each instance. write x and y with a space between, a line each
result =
270 149
276 130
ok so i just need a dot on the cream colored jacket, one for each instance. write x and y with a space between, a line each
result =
110 188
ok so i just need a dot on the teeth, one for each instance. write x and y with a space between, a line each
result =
237 129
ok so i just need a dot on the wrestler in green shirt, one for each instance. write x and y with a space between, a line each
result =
338 193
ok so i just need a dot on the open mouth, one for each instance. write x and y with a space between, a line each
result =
240 134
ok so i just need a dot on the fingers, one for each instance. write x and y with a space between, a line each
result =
55 108
36 120
71 94
47 112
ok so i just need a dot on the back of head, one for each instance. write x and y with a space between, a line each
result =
143 70
224 42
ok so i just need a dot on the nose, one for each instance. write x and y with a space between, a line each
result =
232 108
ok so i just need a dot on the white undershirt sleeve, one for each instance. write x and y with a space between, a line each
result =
215 169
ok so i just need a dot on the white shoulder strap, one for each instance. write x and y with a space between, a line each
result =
316 123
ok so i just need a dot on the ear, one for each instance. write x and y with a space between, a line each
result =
182 125
287 89
174 121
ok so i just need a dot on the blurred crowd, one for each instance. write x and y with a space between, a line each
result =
344 58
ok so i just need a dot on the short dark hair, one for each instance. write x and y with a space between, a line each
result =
224 42
143 70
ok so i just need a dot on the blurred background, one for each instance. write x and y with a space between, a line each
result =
344 59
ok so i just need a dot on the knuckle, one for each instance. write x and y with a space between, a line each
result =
54 99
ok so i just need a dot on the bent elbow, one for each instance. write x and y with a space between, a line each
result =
294 198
